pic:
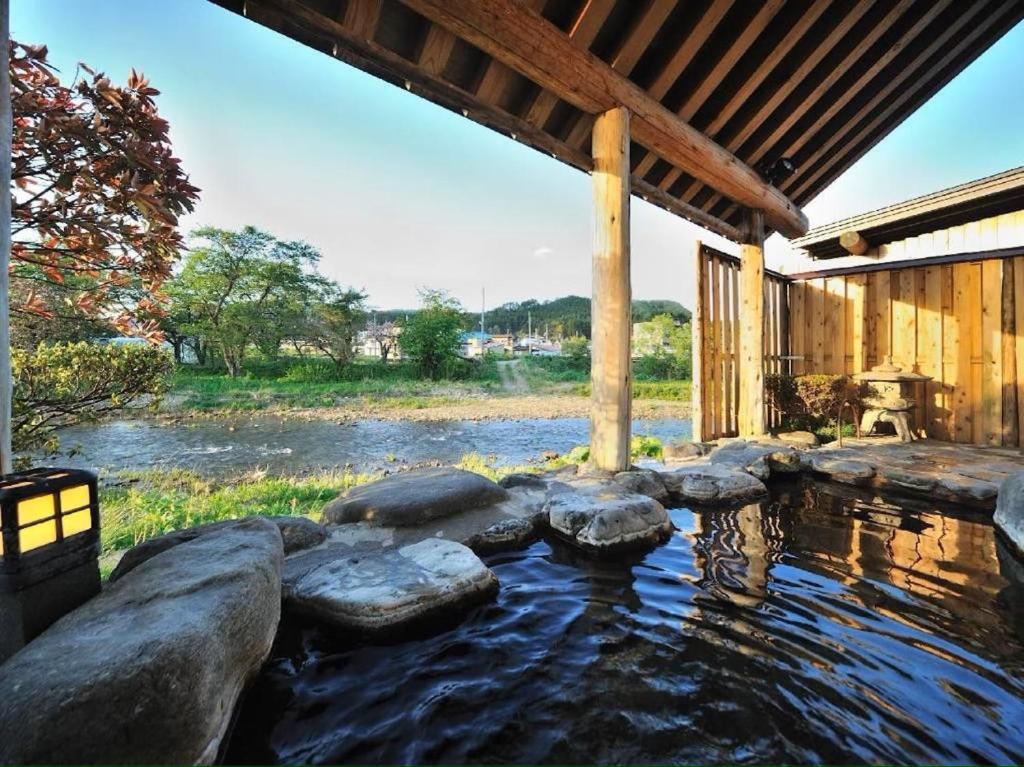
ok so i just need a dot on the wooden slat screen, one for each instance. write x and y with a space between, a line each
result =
716 374
957 323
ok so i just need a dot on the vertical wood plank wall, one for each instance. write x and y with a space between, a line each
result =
716 342
960 323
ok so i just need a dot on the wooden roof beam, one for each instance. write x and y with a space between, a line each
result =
584 30
378 60
639 37
497 76
527 43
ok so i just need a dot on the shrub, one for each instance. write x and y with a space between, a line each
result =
61 384
812 401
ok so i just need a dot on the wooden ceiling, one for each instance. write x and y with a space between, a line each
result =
818 81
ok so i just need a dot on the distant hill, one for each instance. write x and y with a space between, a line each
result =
566 316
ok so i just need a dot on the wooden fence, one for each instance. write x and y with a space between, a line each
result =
716 374
962 323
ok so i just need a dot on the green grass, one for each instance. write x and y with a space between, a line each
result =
157 502
207 390
660 390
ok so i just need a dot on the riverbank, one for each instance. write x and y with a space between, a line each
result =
505 390
465 406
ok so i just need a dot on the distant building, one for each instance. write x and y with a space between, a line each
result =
473 344
366 345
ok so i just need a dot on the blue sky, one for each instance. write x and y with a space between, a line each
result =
398 193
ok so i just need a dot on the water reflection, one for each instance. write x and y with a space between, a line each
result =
814 628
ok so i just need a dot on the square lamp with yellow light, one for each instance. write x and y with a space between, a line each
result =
49 550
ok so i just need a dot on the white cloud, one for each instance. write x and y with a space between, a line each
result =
542 252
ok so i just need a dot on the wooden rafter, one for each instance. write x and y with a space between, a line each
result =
960 34
436 49
375 58
699 95
626 57
526 42
800 75
361 16
824 120
753 82
584 29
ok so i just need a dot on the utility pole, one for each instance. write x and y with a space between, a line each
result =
6 130
529 333
483 304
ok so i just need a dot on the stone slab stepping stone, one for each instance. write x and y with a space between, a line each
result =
414 497
297 533
645 482
838 466
712 483
603 516
374 589
502 536
759 459
149 671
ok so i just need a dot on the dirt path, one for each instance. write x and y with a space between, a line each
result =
512 378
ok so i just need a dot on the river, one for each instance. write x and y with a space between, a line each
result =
286 446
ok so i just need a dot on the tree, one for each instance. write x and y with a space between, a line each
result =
332 329
664 348
431 335
577 351
385 334
61 384
96 200
242 288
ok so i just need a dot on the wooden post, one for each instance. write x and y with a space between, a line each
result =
697 348
751 395
6 386
611 377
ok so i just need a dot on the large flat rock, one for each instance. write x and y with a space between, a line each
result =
759 459
297 533
603 516
149 671
712 484
414 497
373 589
1009 516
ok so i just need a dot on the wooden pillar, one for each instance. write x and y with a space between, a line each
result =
697 347
6 385
751 394
611 377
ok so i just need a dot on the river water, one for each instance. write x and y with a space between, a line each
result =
282 445
811 628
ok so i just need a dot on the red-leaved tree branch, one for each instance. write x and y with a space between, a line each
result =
96 199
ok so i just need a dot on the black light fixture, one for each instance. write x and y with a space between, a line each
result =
777 171
49 550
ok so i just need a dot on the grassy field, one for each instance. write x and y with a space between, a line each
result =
312 384
296 384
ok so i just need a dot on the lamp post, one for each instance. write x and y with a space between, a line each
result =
49 550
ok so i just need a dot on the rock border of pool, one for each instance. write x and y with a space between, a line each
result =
153 668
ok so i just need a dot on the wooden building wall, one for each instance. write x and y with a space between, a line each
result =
716 374
960 321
